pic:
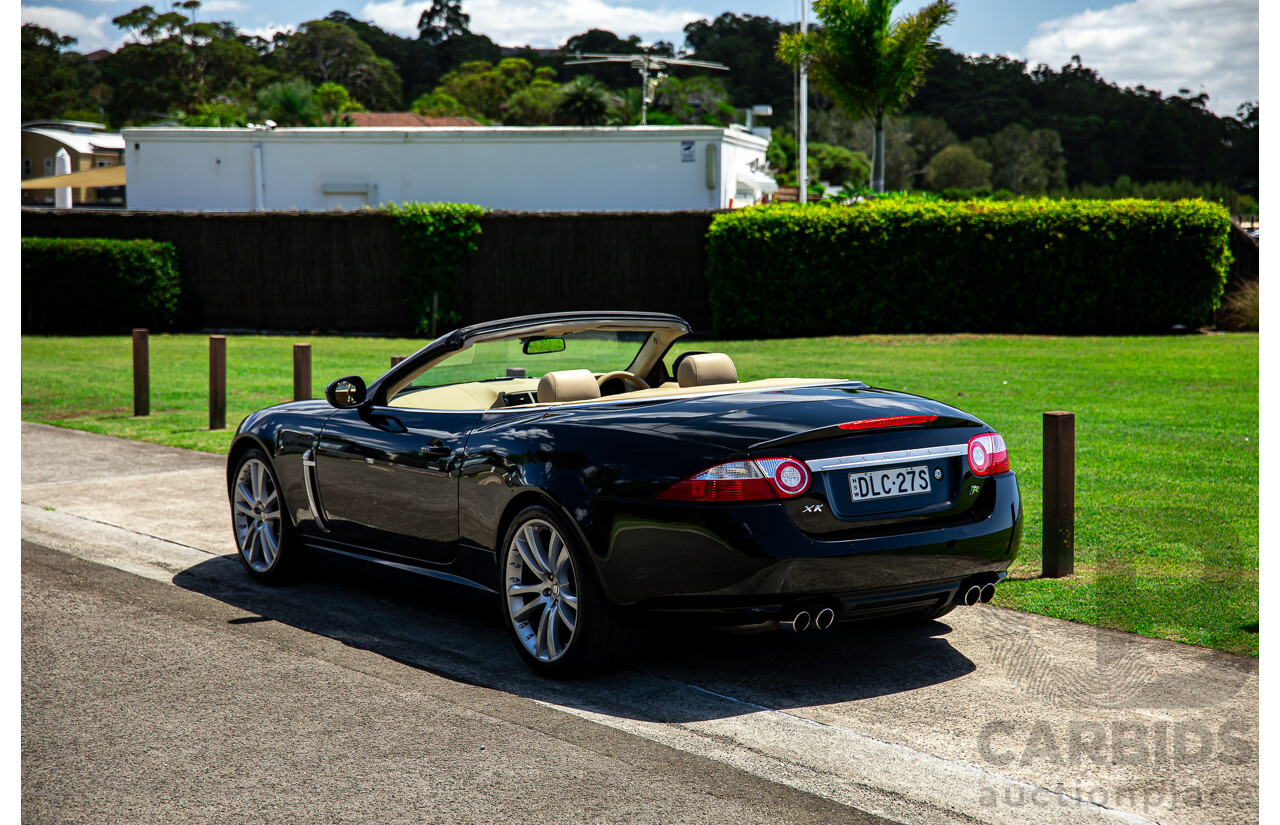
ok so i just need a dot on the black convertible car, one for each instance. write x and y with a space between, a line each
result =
570 465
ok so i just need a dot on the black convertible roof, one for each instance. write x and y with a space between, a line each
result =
655 319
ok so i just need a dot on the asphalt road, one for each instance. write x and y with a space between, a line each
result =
161 684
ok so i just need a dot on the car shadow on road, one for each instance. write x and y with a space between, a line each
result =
675 675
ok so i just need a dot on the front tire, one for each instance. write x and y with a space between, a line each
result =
552 607
264 535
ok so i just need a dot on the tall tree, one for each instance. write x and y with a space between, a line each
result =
442 20
324 51
54 79
867 63
745 43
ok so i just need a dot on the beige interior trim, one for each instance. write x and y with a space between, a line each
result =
484 396
473 396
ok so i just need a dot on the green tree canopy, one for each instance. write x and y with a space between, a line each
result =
55 80
534 105
483 88
957 167
324 51
1023 161
289 103
441 20
438 104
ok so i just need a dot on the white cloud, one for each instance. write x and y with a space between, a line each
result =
1201 45
542 23
268 31
219 6
93 33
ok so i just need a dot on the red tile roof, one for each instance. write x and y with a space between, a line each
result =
410 120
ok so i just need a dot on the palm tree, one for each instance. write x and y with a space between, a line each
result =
583 101
868 64
290 103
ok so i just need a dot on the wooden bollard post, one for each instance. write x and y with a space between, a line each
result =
1059 540
301 372
141 373
396 359
217 382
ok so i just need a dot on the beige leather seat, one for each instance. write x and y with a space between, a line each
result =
705 369
567 385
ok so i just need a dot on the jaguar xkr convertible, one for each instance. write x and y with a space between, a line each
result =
592 480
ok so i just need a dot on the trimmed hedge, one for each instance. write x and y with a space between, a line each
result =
85 285
1029 266
436 237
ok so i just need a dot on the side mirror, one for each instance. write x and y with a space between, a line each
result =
346 393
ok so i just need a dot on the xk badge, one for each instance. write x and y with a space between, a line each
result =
813 508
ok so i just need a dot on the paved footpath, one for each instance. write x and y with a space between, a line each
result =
149 657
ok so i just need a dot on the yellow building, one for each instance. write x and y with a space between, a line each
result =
89 146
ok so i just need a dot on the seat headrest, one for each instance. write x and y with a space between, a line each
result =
567 385
707 368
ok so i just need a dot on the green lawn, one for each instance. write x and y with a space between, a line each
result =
1166 442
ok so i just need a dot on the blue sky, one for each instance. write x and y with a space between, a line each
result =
1201 45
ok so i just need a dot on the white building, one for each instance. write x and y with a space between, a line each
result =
657 168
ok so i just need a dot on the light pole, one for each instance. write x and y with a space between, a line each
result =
802 167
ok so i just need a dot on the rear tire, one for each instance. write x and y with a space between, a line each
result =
555 613
260 519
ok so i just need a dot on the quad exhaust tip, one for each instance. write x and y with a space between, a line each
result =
980 593
804 620
796 623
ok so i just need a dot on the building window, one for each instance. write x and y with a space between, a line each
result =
101 163
48 167
26 167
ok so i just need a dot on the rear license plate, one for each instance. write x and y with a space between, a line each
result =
888 483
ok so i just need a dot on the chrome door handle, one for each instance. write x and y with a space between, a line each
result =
436 449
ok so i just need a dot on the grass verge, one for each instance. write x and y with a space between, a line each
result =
1166 442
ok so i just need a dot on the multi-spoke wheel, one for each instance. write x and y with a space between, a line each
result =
257 513
542 590
561 623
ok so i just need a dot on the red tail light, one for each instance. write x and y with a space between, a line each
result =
988 455
758 480
891 421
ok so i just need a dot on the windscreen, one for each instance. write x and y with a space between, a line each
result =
599 351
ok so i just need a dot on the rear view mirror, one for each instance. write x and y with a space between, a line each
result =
540 346
346 393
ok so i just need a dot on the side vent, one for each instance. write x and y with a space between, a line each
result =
308 479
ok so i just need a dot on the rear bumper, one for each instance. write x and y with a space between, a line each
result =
751 558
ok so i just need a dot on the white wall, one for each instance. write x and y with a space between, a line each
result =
556 169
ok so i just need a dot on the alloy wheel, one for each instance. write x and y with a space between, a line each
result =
256 507
541 590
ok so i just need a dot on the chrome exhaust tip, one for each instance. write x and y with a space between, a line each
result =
825 618
796 623
988 592
973 595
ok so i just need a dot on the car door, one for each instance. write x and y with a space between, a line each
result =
387 480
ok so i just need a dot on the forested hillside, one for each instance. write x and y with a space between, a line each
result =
976 123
